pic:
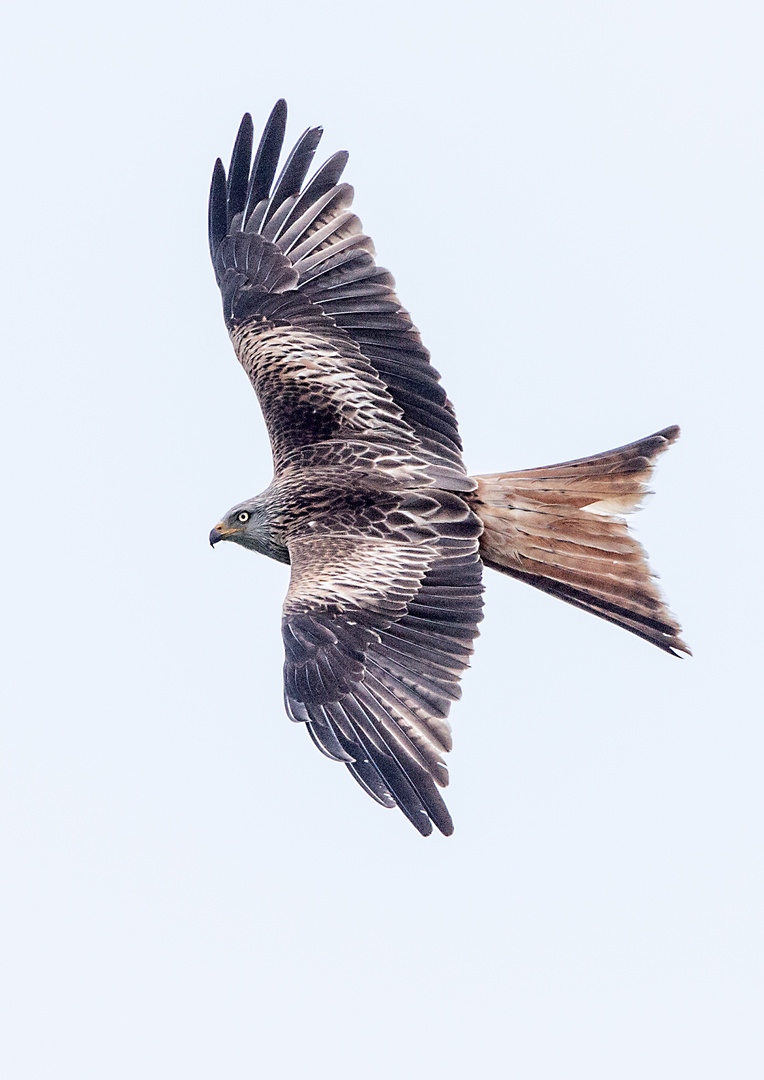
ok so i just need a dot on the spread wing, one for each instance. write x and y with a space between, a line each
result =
377 631
316 324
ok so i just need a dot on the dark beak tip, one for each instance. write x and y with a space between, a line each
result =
215 537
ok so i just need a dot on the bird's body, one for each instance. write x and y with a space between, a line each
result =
370 503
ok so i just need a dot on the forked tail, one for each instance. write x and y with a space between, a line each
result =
560 529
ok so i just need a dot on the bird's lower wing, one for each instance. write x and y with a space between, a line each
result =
377 633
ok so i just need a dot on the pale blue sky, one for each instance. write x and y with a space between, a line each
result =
570 197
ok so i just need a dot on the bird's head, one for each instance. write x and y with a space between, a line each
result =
241 524
247 524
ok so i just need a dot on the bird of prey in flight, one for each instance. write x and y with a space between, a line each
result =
371 505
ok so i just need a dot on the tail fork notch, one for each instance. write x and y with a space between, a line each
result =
560 528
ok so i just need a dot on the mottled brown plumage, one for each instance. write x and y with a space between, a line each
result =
371 503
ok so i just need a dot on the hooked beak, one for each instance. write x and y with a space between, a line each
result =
220 532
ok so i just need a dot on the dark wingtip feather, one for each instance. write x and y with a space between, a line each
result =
324 180
295 170
279 111
218 219
238 174
267 157
447 828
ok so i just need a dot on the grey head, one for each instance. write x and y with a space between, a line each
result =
251 525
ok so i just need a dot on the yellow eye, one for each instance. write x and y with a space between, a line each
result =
243 516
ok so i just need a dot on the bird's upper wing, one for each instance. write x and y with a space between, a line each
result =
315 323
377 631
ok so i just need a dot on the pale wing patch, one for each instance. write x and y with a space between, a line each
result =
344 384
355 574
622 504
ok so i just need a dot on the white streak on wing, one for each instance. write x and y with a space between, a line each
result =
355 572
614 507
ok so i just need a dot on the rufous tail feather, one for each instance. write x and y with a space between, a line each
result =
560 528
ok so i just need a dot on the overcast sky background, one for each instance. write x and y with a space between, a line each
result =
570 197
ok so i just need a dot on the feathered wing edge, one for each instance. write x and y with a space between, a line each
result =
372 669
559 529
272 237
392 690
